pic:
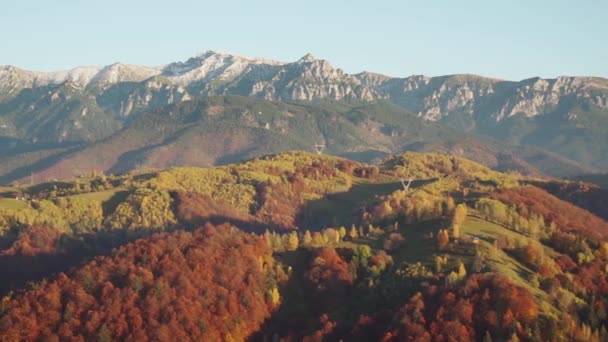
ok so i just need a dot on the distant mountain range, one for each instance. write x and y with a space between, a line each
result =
119 117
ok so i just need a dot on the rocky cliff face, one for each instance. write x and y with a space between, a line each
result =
438 97
307 79
125 89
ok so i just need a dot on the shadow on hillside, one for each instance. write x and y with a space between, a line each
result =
109 206
591 198
364 156
37 166
231 158
247 226
34 189
344 208
11 147
296 308
129 160
16 270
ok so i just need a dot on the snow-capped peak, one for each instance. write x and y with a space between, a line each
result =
82 75
213 65
226 55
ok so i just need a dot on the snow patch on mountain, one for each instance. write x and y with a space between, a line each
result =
118 72
212 65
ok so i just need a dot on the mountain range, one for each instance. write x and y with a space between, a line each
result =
217 108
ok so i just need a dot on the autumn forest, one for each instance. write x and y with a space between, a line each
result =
306 247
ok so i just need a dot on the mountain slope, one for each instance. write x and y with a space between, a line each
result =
220 130
567 115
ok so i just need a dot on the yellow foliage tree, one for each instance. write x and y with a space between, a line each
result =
342 232
146 208
274 296
291 241
460 215
353 233
307 239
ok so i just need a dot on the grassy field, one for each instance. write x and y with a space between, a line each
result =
101 196
488 231
109 199
7 189
503 263
12 204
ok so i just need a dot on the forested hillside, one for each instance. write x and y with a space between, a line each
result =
169 286
298 246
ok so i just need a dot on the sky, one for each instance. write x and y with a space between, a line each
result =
512 40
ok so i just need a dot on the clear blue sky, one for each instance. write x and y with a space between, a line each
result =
506 39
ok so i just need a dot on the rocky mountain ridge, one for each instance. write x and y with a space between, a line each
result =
217 73
566 115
